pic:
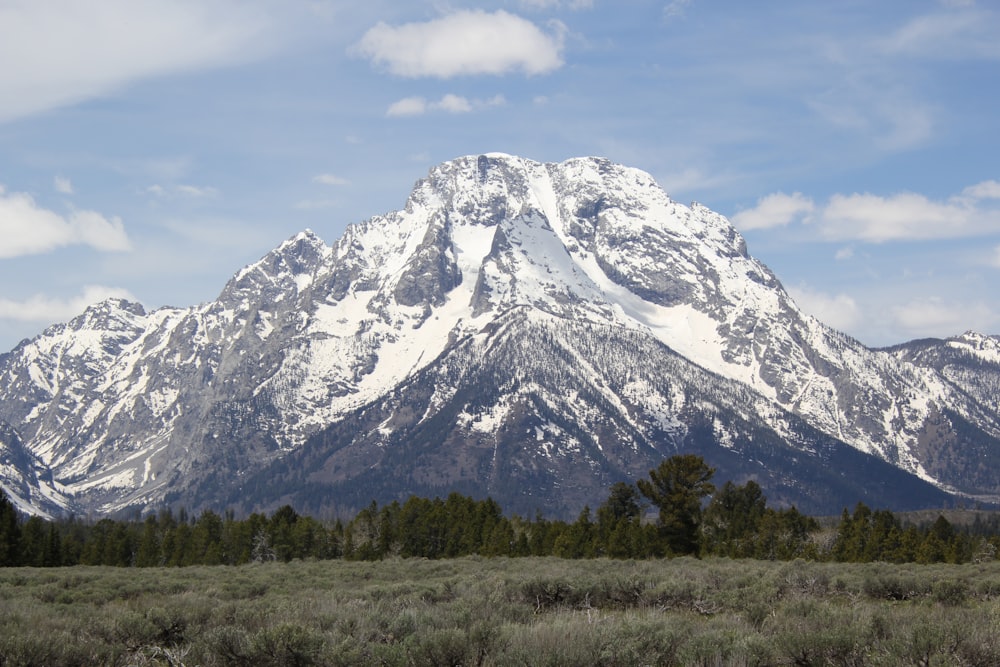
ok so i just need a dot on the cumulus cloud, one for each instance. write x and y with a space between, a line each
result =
68 51
416 106
454 104
408 106
41 308
775 210
877 219
28 229
839 311
872 218
464 43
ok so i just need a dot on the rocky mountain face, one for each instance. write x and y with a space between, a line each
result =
530 331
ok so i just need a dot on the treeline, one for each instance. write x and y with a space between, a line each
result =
735 523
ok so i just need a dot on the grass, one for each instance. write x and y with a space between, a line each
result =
477 611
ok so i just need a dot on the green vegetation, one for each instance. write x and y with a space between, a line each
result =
736 523
456 582
503 611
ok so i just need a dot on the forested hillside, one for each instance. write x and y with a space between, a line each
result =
735 523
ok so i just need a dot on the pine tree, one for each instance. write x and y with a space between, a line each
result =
10 532
676 487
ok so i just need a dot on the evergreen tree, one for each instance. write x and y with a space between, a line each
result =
206 539
149 553
34 534
577 541
10 532
676 487
732 520
616 520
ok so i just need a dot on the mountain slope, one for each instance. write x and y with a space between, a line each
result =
541 411
496 320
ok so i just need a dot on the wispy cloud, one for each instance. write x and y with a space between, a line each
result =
63 185
29 229
675 8
931 315
962 33
68 51
557 4
41 308
330 179
464 43
183 190
892 116
416 106
196 191
316 204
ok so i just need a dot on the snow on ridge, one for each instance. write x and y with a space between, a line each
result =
981 346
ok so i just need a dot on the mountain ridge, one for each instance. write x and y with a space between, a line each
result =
128 408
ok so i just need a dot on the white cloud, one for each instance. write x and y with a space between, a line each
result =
40 308
330 179
63 185
556 4
454 104
775 210
953 35
984 190
28 229
996 257
464 43
196 191
933 316
408 106
182 190
675 8
60 52
877 219
907 216
416 106
839 311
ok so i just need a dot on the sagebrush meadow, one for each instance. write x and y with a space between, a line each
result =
500 611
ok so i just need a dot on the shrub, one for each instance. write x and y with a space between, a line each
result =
950 593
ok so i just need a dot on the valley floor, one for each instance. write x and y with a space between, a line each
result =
499 611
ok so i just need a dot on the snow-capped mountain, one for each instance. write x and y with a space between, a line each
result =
532 331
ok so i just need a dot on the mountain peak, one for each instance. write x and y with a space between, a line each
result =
523 328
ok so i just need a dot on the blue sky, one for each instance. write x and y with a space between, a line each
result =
151 148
